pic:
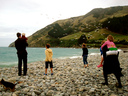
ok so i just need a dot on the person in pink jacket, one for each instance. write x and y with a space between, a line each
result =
110 44
111 63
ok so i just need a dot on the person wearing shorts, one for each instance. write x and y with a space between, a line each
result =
47 63
48 59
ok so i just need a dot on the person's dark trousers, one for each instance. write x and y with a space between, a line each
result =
117 77
20 59
85 59
106 78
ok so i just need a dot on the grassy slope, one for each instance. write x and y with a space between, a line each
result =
101 34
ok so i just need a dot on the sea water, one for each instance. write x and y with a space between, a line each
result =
8 55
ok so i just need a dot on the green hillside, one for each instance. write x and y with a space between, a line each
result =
67 33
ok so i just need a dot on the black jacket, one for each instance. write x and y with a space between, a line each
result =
85 51
20 45
111 63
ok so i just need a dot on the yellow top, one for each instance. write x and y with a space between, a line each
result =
49 54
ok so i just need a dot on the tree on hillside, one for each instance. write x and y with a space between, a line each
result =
82 39
57 31
117 24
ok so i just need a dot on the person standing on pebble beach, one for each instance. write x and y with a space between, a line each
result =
85 55
48 59
20 45
111 62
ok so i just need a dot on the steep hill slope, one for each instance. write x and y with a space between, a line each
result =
65 33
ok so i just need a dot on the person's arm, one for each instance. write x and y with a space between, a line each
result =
46 53
87 51
103 45
16 45
26 44
83 52
52 53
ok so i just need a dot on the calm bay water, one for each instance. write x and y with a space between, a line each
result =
8 56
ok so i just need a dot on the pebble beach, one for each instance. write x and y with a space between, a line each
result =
70 79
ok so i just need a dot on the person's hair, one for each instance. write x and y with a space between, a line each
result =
23 34
48 45
83 45
18 34
102 42
110 38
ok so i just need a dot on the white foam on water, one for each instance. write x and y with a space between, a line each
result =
94 54
75 57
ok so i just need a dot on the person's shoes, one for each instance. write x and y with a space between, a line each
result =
51 73
24 75
104 83
119 86
45 74
121 75
19 74
99 65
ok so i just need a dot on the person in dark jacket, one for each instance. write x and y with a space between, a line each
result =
111 65
20 45
85 54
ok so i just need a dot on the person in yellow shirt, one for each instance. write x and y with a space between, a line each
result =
48 59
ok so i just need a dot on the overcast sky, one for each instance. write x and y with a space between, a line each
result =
28 16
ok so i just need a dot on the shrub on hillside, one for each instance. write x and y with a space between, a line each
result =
117 24
58 32
82 39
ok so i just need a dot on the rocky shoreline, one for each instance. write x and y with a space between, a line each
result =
70 79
